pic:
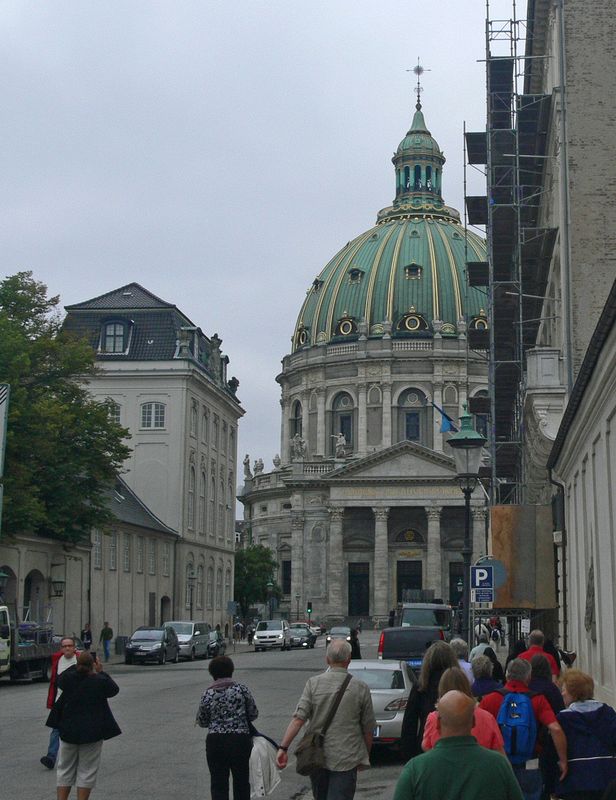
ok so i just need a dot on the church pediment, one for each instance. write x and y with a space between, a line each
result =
404 460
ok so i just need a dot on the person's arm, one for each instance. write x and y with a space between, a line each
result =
560 743
294 727
203 712
405 786
368 736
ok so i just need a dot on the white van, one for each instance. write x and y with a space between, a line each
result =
272 633
193 637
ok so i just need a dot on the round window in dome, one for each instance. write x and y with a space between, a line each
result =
346 327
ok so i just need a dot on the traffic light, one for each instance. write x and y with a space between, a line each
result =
309 607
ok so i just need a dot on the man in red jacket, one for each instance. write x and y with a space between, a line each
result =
536 640
63 659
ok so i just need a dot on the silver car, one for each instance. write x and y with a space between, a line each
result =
390 684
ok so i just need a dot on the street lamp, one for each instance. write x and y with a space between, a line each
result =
191 579
467 445
460 585
297 599
270 587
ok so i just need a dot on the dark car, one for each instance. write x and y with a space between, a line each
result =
152 644
301 635
216 646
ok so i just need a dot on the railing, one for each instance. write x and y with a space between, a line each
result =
412 345
318 469
341 349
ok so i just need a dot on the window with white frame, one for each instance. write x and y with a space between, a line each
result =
153 415
113 551
97 549
152 556
166 558
115 413
191 498
219 587
114 338
126 552
140 554
210 587
199 594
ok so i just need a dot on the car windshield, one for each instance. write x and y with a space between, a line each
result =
183 628
380 678
426 617
299 628
147 635
340 632
269 625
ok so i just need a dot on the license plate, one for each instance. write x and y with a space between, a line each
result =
414 662
377 732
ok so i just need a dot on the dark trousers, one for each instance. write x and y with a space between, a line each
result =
228 752
329 785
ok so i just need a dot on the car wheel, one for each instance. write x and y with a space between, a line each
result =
162 659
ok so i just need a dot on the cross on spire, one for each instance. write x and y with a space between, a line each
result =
418 70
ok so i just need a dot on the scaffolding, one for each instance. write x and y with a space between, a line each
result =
512 151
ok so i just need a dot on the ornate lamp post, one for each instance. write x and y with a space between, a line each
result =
270 587
191 579
467 445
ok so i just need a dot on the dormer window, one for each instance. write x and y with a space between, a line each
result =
114 337
355 275
412 322
346 326
317 283
413 272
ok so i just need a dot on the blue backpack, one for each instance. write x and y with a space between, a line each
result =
516 720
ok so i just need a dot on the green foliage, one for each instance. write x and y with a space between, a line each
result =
63 450
254 567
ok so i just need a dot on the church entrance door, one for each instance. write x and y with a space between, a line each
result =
409 577
359 589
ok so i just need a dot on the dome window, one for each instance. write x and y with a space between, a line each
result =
414 234
412 322
346 326
355 275
317 283
302 336
413 272
480 322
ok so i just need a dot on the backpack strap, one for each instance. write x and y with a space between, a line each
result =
334 708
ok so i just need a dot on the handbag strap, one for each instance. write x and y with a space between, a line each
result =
334 708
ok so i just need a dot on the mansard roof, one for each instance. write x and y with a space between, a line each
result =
127 507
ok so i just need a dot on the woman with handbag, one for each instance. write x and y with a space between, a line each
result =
227 709
84 719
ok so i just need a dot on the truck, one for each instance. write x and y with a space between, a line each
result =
25 648
418 625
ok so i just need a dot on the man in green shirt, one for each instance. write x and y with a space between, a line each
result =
457 768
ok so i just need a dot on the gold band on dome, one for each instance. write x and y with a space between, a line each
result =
374 274
454 275
434 271
360 241
392 273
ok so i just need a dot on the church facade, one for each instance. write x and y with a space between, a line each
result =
362 504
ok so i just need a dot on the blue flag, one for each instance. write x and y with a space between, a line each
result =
447 423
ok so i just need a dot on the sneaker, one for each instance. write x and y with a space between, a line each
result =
48 762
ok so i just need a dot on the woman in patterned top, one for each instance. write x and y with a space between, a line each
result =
227 708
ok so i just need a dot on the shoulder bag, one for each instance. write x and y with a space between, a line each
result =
310 753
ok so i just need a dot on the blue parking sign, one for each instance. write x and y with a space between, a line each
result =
482 578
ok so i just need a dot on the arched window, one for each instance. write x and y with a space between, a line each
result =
153 415
190 571
407 178
205 423
221 510
115 412
481 421
429 185
232 444
211 525
191 498
417 180
199 587
230 514
412 417
202 503
210 587
219 587
296 419
343 421
227 586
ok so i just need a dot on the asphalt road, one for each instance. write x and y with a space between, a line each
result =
161 752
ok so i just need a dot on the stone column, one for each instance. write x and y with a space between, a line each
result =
386 389
362 420
297 558
479 531
436 419
285 452
321 434
335 564
381 565
434 576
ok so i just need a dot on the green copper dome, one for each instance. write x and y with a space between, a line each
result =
405 277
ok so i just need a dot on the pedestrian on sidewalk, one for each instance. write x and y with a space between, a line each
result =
105 639
457 766
227 709
84 719
355 648
484 682
66 657
86 636
348 739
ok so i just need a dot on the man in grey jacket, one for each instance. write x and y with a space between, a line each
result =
349 737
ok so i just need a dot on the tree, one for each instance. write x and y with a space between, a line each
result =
254 567
63 450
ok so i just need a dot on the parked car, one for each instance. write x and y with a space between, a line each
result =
152 644
302 635
390 684
339 632
272 633
194 638
216 645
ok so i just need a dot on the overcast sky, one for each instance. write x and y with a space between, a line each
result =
220 153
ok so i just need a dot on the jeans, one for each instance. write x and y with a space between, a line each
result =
106 648
229 752
330 785
54 744
530 781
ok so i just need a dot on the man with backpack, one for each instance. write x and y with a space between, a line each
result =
519 713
